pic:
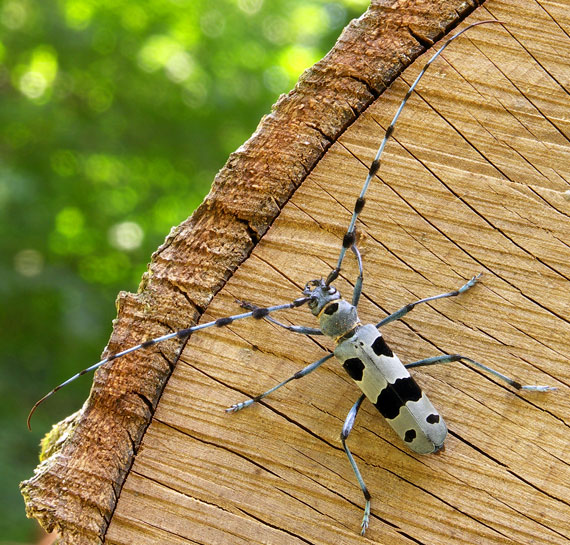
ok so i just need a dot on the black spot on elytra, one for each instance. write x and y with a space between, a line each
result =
331 309
396 395
354 367
432 419
381 348
409 436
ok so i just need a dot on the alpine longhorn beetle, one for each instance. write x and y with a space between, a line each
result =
361 349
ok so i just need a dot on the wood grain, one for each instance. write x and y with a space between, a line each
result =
474 180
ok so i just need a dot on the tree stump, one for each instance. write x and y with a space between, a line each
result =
475 179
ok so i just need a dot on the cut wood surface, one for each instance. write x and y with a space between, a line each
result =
476 179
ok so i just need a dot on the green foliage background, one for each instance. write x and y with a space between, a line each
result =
114 118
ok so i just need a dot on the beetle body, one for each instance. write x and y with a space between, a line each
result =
380 375
378 372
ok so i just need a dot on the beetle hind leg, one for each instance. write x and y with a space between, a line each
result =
346 429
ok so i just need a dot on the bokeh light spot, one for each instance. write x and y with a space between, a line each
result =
213 24
276 29
103 168
13 14
39 75
179 66
157 52
127 235
29 262
251 7
134 17
78 13
33 84
69 222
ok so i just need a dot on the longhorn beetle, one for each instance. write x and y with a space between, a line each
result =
361 349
